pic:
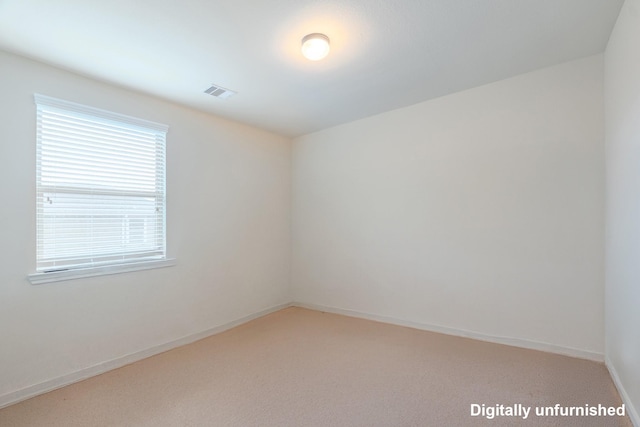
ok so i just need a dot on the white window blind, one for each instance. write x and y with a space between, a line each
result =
100 187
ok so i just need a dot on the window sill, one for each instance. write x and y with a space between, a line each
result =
79 273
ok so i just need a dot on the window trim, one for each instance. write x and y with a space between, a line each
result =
110 115
80 273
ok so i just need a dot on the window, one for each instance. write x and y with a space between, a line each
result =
100 188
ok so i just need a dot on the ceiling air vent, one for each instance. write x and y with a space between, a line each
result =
219 92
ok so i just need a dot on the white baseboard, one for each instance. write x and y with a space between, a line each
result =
55 383
632 411
514 342
100 368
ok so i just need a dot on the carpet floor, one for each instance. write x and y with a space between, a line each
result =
299 367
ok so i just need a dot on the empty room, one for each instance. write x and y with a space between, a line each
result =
320 213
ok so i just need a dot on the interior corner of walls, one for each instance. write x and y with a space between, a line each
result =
632 410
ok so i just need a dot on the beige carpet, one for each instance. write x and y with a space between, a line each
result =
300 367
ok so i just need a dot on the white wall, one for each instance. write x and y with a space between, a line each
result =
622 89
228 226
480 211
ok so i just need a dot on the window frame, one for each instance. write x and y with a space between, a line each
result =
87 269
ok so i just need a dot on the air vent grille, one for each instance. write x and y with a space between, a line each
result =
219 92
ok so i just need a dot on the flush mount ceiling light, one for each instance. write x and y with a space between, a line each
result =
315 46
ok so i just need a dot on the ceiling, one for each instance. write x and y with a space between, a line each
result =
384 54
